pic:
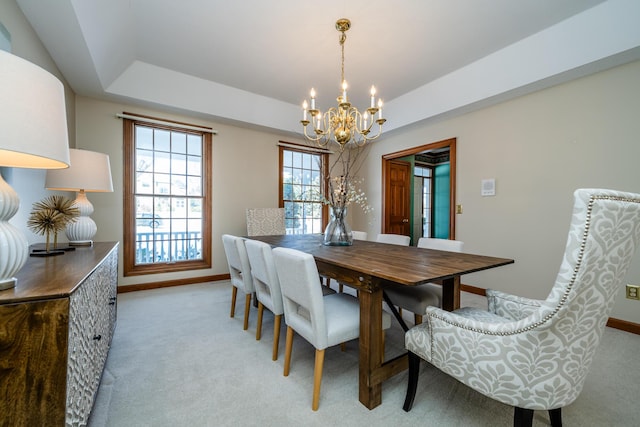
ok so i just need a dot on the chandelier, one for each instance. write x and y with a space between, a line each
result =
343 124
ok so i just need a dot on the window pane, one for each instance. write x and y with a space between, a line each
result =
297 159
144 138
162 140
179 164
178 142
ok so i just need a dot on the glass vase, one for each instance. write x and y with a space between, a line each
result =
338 231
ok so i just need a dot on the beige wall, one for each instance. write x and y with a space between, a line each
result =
539 148
245 174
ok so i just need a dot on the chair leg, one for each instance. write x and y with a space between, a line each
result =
234 294
382 338
555 415
259 325
287 351
417 318
247 307
317 379
412 384
276 336
522 417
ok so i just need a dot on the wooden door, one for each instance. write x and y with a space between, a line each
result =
398 197
449 144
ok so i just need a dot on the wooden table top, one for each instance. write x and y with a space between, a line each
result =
406 265
56 276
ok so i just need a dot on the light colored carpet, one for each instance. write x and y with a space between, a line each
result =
178 359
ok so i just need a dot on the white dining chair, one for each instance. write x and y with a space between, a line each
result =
394 239
267 287
416 299
240 272
359 235
322 321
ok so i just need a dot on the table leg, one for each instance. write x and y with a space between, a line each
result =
451 293
370 391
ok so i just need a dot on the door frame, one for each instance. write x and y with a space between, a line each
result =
446 143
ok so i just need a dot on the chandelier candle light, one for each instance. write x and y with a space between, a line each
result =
343 124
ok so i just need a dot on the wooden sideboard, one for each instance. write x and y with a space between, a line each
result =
55 330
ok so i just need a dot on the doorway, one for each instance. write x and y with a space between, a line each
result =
398 199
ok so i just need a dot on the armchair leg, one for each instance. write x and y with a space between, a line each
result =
555 415
412 384
522 417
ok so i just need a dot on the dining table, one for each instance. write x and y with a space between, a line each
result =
369 267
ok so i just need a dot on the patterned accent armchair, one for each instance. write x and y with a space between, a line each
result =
265 221
535 354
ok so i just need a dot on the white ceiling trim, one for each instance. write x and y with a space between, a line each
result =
602 36
161 86
582 40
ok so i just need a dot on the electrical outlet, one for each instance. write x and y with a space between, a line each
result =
633 292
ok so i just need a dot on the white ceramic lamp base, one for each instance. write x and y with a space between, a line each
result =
81 231
14 247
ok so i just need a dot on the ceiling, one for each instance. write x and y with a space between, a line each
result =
254 61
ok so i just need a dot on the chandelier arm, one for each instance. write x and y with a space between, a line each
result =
318 138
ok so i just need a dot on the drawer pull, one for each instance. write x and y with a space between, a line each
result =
97 337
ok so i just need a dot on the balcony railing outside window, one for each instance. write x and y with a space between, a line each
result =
168 246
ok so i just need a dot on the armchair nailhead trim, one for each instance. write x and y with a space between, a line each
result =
564 297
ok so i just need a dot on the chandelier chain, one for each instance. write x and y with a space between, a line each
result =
343 38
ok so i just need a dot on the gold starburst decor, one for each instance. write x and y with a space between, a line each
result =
50 216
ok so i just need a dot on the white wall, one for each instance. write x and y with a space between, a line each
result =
245 174
539 148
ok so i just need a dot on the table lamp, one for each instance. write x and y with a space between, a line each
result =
33 134
89 172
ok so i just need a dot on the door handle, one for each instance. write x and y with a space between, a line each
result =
405 220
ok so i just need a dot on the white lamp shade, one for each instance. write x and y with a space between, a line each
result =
33 134
89 171
33 118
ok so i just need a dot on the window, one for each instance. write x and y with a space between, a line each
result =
301 188
167 191
424 176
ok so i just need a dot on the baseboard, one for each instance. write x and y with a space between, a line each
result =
623 325
169 283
